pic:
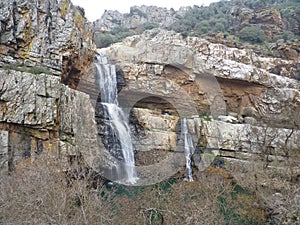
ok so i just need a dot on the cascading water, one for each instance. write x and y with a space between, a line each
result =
188 148
107 82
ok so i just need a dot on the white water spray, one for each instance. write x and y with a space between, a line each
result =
107 82
189 148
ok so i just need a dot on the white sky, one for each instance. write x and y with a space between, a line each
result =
95 8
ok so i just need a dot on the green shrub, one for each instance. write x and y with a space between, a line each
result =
202 27
253 34
103 40
117 34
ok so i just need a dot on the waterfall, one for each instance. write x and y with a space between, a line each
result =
107 82
188 148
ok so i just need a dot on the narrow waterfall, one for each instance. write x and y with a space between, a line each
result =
188 148
107 81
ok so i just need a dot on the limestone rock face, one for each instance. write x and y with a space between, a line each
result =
48 34
244 139
158 135
273 149
157 121
162 62
78 134
38 113
44 45
28 99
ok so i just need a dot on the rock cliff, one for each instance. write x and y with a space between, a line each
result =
40 114
254 22
49 36
240 105
44 46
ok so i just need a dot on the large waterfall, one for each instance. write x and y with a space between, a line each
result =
188 148
107 82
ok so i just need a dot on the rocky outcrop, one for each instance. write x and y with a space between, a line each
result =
269 20
164 77
289 50
276 147
162 62
28 99
242 108
49 35
244 149
138 16
278 27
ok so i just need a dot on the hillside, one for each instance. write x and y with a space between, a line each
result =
267 23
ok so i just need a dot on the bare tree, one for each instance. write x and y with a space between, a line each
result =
38 193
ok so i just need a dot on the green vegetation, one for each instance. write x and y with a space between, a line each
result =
117 34
203 20
287 35
216 18
25 135
220 17
205 117
67 143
